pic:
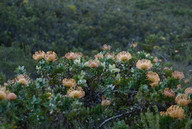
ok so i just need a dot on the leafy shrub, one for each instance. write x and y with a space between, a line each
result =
77 91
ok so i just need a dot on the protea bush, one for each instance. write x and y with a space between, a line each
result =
113 89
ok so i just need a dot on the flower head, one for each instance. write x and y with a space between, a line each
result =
155 60
11 96
9 82
110 56
123 56
166 68
76 92
182 99
98 56
175 111
51 56
73 55
93 63
169 92
23 79
178 75
39 55
188 90
179 86
153 77
144 64
106 47
2 95
69 82
187 81
133 45
49 95
105 102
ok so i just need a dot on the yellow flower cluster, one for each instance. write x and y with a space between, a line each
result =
49 94
182 99
123 56
93 63
73 55
188 90
144 64
178 75
9 82
187 81
174 111
110 56
106 47
49 56
154 78
23 79
133 45
76 92
155 60
98 56
69 82
105 102
7 95
169 92
39 55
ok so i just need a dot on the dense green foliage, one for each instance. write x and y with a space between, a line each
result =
132 100
159 26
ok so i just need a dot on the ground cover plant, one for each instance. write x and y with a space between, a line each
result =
112 89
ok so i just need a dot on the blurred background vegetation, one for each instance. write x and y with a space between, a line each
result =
161 27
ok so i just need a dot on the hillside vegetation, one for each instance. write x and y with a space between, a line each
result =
161 27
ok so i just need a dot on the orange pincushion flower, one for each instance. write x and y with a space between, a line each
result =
168 92
11 96
9 82
166 68
93 63
133 45
182 99
2 95
98 56
179 86
39 55
187 81
178 75
188 90
69 82
175 111
155 60
23 79
106 47
105 102
123 56
51 56
144 64
110 56
76 92
153 77
49 95
73 55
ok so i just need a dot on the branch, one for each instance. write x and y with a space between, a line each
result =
109 119
129 112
